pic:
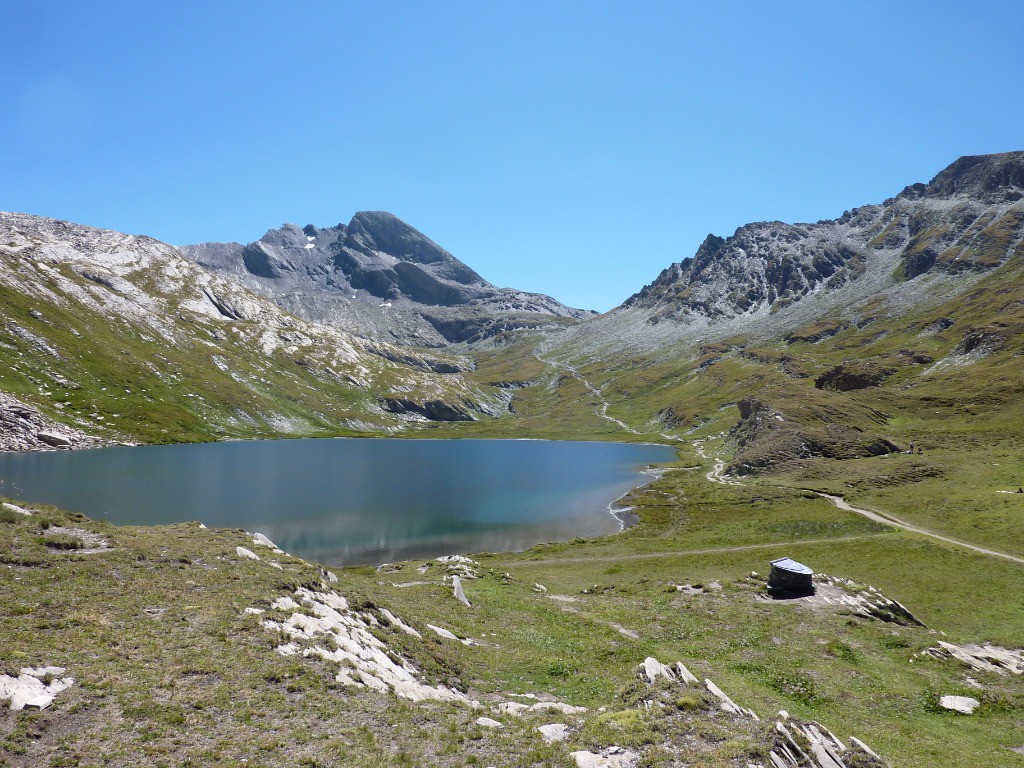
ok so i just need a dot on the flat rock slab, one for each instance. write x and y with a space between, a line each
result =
965 705
984 658
263 541
553 732
15 508
488 722
458 593
29 691
612 757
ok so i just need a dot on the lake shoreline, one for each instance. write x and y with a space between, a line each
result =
344 502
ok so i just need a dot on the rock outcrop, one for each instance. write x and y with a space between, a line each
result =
823 428
24 428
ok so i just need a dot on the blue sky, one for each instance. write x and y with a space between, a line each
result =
571 148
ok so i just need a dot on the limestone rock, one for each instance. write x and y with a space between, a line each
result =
984 658
653 669
247 553
337 634
441 632
612 757
263 541
553 732
55 439
487 722
34 687
458 593
965 705
23 428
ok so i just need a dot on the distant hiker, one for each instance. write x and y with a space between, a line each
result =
911 447
1020 490
920 451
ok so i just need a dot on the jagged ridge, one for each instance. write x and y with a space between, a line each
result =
378 277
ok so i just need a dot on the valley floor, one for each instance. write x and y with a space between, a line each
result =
165 632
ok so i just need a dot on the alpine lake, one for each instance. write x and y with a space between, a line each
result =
347 502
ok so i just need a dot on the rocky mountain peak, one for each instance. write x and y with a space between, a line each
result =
968 219
990 176
379 277
377 232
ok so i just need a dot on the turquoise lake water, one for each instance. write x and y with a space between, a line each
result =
349 501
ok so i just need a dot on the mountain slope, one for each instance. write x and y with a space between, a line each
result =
121 337
839 339
379 278
768 279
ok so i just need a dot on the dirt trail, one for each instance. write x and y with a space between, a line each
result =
601 411
681 552
878 517
717 474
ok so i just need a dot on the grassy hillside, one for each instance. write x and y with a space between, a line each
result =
171 669
123 338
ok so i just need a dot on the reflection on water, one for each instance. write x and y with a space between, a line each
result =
349 502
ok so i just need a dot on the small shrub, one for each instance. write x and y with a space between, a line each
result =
689 702
62 542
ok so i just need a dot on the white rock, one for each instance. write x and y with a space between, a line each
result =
28 690
858 743
539 588
487 722
684 674
512 708
456 559
553 732
17 509
654 669
243 552
442 632
263 541
343 638
458 593
397 622
963 704
620 758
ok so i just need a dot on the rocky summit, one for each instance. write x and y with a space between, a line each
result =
966 222
379 278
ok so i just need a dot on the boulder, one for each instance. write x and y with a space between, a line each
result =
458 593
54 439
247 553
612 757
553 732
965 705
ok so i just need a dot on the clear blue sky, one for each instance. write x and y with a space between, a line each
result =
571 148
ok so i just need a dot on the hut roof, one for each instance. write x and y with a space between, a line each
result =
786 564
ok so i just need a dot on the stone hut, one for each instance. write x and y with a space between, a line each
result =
788 578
